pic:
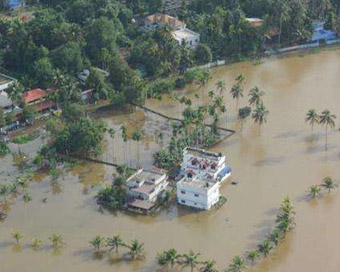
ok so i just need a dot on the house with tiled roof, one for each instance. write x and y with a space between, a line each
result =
38 99
152 22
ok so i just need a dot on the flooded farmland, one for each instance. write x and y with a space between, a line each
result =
281 158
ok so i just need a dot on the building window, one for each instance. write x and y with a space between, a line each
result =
183 192
183 201
196 195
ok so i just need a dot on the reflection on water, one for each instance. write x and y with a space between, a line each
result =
284 160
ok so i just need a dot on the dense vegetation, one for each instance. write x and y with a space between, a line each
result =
63 37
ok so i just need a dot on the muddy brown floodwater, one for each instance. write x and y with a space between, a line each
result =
283 160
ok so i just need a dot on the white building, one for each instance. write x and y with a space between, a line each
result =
198 193
202 174
187 37
144 188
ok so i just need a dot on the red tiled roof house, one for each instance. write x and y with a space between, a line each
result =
37 99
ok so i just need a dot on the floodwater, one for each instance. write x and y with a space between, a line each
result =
281 158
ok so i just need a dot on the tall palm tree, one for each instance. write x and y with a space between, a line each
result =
209 266
236 92
137 136
191 259
260 114
137 250
36 243
327 119
221 86
314 191
123 130
255 96
312 118
237 265
329 184
17 236
264 248
114 243
252 256
97 243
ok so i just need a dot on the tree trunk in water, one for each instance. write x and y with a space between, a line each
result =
326 137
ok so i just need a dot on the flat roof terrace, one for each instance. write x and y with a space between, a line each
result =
202 153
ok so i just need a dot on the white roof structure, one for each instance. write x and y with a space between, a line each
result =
5 101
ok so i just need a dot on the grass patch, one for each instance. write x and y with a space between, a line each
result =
23 139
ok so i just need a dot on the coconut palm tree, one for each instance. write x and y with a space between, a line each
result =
97 243
137 250
314 191
172 256
209 266
236 92
327 119
255 96
252 256
264 248
329 184
191 260
17 236
123 130
237 265
312 118
260 114
4 192
276 236
137 136
57 241
15 92
114 243
36 243
221 86
243 114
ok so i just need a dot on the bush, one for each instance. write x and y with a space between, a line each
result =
180 83
23 139
4 150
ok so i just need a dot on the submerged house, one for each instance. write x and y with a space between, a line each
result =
202 174
322 34
144 188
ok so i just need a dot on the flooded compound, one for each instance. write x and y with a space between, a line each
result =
279 158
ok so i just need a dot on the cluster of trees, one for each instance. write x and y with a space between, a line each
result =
327 183
285 223
326 118
192 130
135 249
4 149
56 240
114 196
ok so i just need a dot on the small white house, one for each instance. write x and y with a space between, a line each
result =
198 193
144 188
187 37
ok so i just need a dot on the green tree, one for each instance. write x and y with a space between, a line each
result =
2 118
28 112
252 256
114 243
57 241
329 184
36 243
137 136
17 236
237 265
260 114
255 96
203 54
15 92
312 118
221 86
314 191
97 243
209 266
137 250
264 248
68 58
43 72
191 260
327 120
